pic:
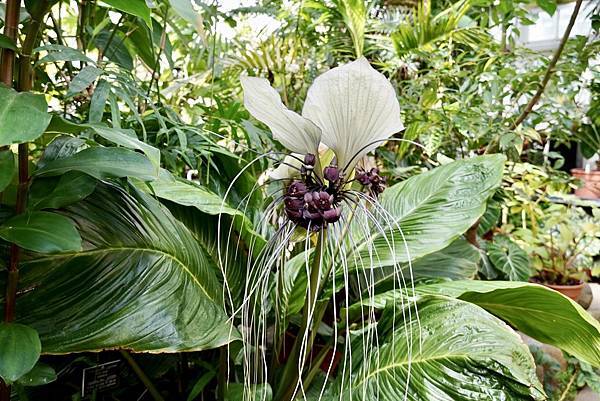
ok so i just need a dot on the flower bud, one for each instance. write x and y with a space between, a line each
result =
363 178
293 203
297 189
331 173
310 159
332 215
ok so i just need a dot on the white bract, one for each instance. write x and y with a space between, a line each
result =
351 109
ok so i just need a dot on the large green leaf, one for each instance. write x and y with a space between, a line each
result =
537 311
83 79
133 7
41 232
61 53
142 282
458 261
19 350
122 137
432 210
458 352
228 249
7 43
509 258
186 11
114 50
56 192
187 193
101 163
23 116
7 168
98 101
38 376
128 139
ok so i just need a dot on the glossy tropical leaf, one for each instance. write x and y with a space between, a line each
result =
23 116
458 352
133 7
38 376
61 53
432 210
98 101
61 147
185 10
7 168
234 255
547 5
142 282
458 261
43 232
537 311
114 50
7 43
291 287
509 258
490 218
102 163
122 137
83 79
128 139
187 193
56 192
19 350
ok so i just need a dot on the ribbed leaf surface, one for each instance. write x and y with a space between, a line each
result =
432 210
142 282
537 311
459 352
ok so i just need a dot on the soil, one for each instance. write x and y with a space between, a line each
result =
559 281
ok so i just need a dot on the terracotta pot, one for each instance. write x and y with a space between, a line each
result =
591 183
571 291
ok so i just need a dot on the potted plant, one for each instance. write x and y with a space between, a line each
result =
589 139
562 247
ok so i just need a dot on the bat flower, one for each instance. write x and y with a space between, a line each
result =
351 109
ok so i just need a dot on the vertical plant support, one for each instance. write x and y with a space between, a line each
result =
11 23
11 26
24 82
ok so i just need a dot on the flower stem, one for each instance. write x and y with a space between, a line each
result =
291 374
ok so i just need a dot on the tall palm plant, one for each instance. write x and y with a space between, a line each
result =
422 31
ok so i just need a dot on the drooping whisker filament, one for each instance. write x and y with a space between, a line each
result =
356 155
329 241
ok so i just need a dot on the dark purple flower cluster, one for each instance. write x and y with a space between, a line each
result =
372 181
313 201
308 202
